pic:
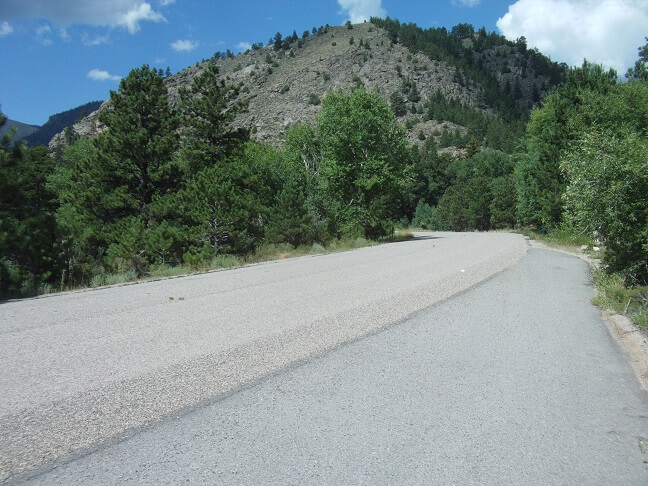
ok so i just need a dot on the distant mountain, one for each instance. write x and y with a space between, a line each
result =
22 130
57 123
447 85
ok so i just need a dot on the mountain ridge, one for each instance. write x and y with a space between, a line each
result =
284 81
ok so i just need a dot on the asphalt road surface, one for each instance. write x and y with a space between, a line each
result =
346 368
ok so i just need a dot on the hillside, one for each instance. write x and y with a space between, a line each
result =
21 130
57 123
447 85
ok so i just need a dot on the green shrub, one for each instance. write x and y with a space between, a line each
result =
608 193
424 216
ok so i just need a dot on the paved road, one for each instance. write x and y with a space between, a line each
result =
85 367
514 381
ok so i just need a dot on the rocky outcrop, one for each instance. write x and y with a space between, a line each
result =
285 87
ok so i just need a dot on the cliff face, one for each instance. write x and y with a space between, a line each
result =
284 87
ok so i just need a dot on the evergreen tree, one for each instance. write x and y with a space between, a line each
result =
80 219
290 220
28 243
218 202
137 172
397 104
277 41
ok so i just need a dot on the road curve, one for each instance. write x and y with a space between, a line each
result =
515 381
84 367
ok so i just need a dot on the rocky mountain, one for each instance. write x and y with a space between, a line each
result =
57 123
461 82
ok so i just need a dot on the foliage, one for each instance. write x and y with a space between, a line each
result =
397 103
219 204
79 217
639 72
494 132
614 294
28 244
550 131
608 193
424 216
480 196
136 172
366 171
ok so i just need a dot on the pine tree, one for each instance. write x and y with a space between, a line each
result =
277 41
218 202
137 172
28 250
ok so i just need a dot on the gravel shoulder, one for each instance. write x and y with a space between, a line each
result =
83 368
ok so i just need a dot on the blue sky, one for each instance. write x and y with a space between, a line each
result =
58 54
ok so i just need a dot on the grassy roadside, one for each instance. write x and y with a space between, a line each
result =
612 294
264 253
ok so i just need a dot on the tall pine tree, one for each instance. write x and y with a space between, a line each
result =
218 202
137 172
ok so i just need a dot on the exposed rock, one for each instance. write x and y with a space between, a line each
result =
283 87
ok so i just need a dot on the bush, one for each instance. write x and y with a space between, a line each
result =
424 216
608 193
313 99
284 88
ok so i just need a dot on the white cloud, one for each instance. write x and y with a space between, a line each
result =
183 45
358 11
5 29
111 13
101 75
132 18
164 3
160 60
63 34
96 40
243 46
602 31
43 33
466 3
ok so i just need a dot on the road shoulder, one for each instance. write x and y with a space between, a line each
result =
631 339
